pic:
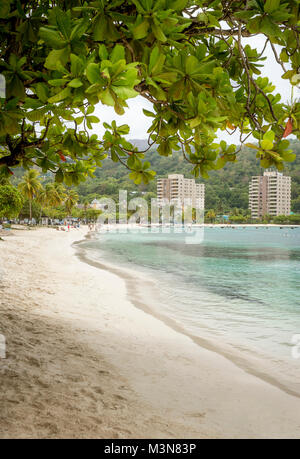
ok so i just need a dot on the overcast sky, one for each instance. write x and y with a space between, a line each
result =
139 123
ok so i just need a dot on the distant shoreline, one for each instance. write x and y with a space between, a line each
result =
198 225
242 225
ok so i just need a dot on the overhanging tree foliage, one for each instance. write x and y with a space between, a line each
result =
188 58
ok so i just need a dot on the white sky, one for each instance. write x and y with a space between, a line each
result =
139 123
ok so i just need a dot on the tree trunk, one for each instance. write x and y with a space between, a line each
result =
30 210
41 212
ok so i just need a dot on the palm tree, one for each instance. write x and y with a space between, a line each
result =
71 199
51 195
60 190
211 215
30 186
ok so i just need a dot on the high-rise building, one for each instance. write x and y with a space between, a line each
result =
177 189
270 194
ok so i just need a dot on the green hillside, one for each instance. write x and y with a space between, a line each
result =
226 189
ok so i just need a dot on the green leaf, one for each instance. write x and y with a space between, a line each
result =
125 93
60 96
52 38
204 173
195 122
288 156
138 179
271 5
57 82
212 20
223 145
141 31
75 83
254 25
153 58
269 27
90 110
104 29
231 149
206 68
220 162
177 90
251 145
246 15
100 28
191 64
63 21
270 135
15 88
76 65
123 129
289 74
280 166
127 79
103 53
93 73
283 56
275 156
148 113
79 120
260 4
117 54
139 6
4 8
79 29
158 33
118 107
37 115
107 98
41 91
266 144
56 57
265 163
93 119
178 5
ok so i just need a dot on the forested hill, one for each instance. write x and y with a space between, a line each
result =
225 190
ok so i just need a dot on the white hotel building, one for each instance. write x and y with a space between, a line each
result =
177 189
270 194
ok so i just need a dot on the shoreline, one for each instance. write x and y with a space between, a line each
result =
135 298
56 380
84 362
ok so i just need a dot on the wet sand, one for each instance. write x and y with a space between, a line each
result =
84 362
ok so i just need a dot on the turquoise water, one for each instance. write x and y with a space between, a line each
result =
239 288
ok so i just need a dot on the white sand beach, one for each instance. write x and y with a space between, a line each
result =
83 362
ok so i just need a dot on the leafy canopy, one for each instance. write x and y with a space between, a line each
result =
188 58
11 201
